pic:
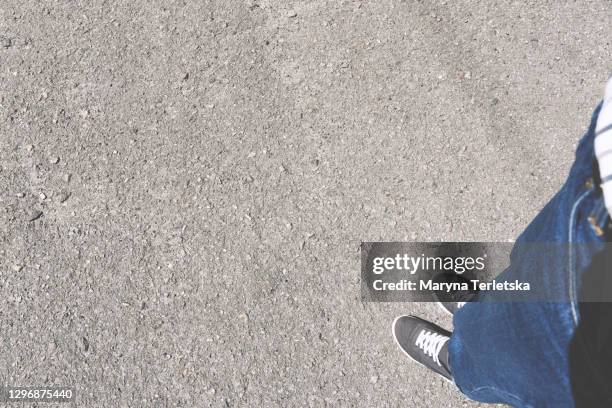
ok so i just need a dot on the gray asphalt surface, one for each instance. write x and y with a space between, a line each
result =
204 172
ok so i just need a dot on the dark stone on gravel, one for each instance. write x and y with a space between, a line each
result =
36 214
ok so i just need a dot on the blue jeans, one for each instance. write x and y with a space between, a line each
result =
517 353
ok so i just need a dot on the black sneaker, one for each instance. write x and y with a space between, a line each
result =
455 300
451 307
423 342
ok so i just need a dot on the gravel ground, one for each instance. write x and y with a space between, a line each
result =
184 185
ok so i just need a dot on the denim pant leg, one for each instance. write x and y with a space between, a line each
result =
517 353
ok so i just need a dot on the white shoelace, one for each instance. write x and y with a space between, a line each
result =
431 343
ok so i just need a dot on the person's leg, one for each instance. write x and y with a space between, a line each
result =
517 353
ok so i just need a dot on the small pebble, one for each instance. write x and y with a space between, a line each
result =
20 195
291 14
42 196
6 42
67 177
374 379
36 214
29 147
63 197
54 160
17 267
